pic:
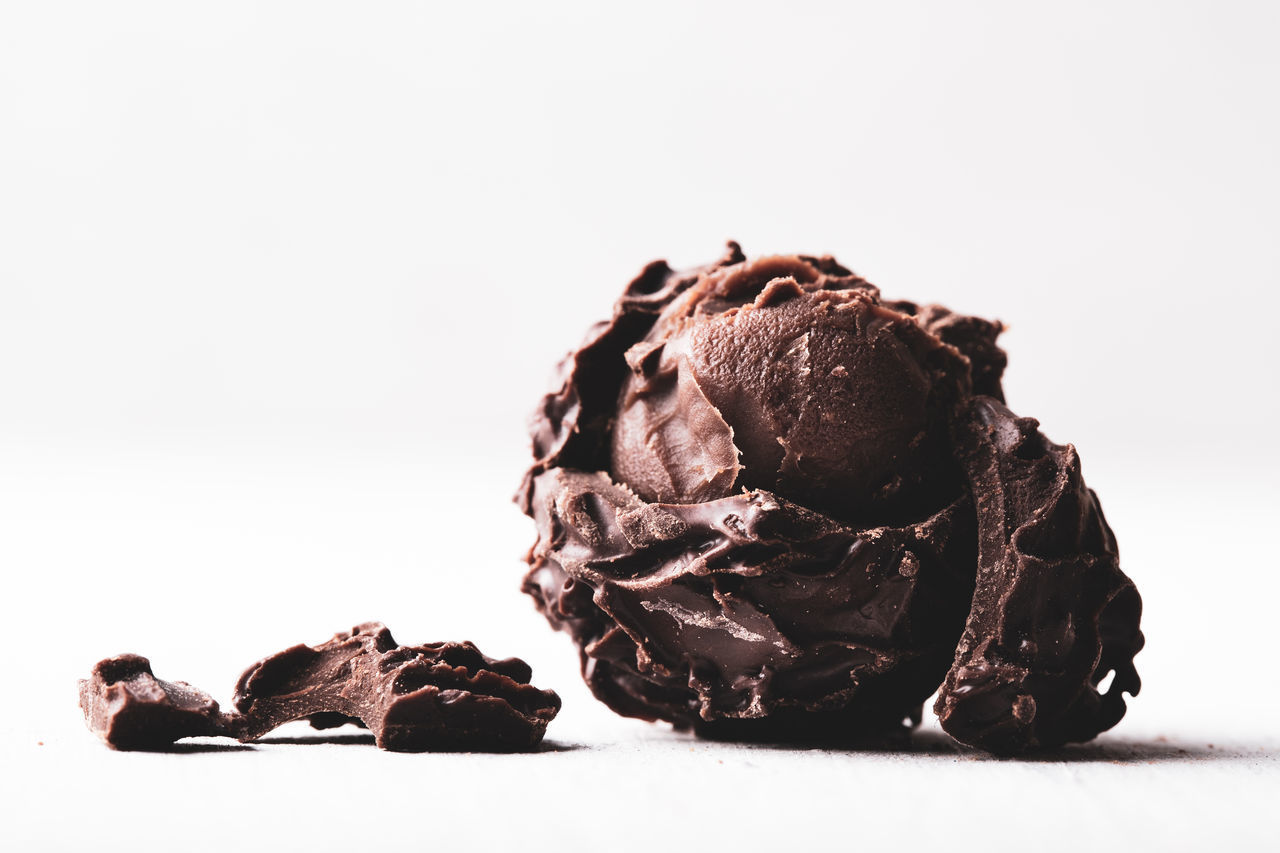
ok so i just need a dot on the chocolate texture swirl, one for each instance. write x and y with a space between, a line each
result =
771 504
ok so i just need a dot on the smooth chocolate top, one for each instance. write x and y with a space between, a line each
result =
764 501
776 375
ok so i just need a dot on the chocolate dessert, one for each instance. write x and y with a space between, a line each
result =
772 504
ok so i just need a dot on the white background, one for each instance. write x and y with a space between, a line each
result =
279 283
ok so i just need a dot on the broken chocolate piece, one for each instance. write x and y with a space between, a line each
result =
436 696
130 709
1052 613
758 491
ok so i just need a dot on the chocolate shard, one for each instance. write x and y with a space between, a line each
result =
1052 613
130 709
437 696
572 422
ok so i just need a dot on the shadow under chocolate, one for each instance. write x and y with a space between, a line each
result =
187 747
317 740
1106 750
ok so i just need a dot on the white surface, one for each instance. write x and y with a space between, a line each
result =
206 564
279 282
649 790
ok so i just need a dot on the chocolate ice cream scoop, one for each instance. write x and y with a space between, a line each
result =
776 375
772 504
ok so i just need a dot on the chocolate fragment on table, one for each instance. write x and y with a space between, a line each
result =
437 696
760 500
130 709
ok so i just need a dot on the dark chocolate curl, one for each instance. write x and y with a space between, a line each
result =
572 423
1052 613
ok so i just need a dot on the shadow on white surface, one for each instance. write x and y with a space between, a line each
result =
924 745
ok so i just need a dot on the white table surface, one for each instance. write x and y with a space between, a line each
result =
205 562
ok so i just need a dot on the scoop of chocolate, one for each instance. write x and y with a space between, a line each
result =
130 709
438 696
771 504
777 376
